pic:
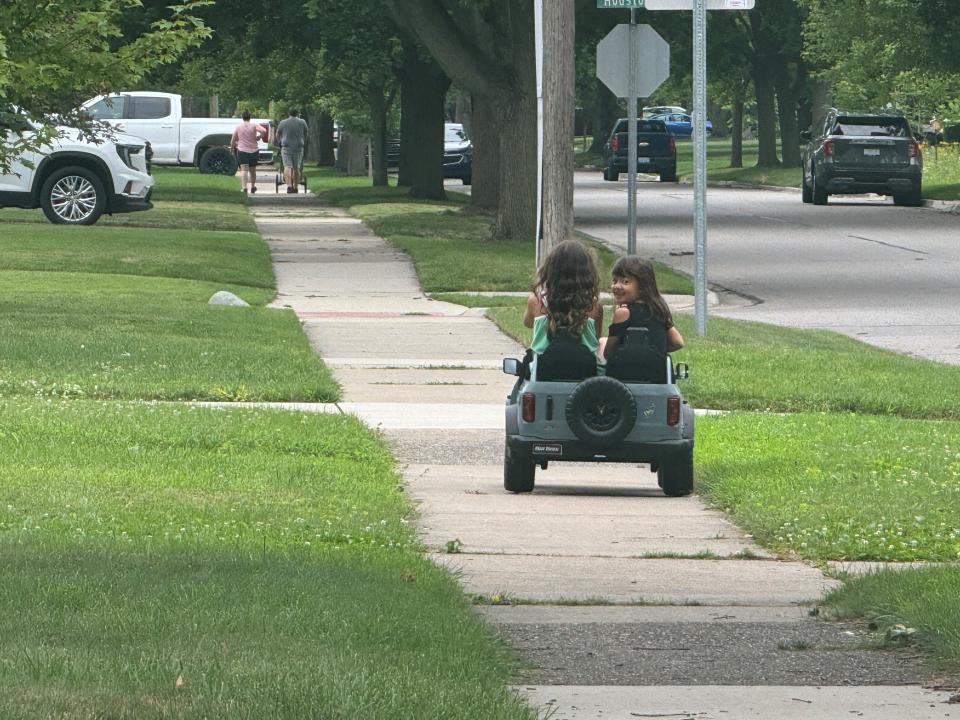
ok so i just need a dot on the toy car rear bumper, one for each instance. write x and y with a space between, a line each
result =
576 450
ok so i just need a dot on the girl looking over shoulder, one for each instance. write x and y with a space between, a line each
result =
638 303
565 297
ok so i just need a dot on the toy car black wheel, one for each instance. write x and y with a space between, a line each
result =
518 473
675 475
601 411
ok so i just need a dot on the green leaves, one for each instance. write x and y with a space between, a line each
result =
66 52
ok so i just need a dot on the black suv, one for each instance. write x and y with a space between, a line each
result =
859 153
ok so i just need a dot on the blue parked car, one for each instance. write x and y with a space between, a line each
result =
680 124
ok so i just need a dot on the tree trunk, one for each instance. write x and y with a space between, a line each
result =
787 111
736 130
353 151
766 115
312 116
486 153
516 216
606 113
378 136
488 49
558 113
408 145
325 154
423 86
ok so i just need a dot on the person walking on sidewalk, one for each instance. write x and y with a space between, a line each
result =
292 139
244 144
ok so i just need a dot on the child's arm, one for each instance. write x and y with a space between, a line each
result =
674 339
534 309
597 316
620 314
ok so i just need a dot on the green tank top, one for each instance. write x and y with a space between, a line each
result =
540 341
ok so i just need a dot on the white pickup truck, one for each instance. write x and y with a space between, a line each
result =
174 139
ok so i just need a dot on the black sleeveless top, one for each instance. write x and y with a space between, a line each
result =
642 316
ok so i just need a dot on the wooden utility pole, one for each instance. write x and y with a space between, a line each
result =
558 115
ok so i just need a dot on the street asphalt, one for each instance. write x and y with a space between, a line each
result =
624 603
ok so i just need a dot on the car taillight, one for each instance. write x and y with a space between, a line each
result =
615 143
673 144
828 149
673 410
914 153
528 403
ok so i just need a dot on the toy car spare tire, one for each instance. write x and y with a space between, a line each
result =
601 411
73 196
219 161
518 473
675 474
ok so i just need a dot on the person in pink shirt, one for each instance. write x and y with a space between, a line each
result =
244 144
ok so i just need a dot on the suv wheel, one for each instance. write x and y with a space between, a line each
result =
669 175
806 191
611 174
219 161
518 473
601 411
819 196
675 475
73 196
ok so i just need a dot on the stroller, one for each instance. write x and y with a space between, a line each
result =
299 179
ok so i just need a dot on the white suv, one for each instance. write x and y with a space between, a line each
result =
76 180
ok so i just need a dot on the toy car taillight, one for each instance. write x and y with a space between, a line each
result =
529 407
673 410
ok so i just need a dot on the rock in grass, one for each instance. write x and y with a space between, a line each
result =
224 297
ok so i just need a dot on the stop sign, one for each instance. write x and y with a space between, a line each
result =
652 55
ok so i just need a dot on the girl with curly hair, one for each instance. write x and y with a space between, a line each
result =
565 297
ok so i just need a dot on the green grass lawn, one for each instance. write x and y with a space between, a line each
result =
183 199
121 311
162 561
924 599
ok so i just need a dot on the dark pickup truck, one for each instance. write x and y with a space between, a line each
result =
856 153
656 150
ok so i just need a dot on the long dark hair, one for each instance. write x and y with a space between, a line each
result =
568 284
246 116
642 272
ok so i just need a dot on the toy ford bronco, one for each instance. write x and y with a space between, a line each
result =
635 413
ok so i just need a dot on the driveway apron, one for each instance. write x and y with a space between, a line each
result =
624 603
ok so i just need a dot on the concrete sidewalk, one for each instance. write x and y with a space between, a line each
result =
675 612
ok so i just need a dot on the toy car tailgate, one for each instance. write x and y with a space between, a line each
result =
550 403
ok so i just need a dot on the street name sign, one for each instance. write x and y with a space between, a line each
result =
688 4
621 4
652 60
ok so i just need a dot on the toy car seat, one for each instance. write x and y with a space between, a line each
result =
637 360
565 359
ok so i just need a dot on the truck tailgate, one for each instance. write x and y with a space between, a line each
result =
867 151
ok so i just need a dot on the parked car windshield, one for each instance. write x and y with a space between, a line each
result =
892 127
109 108
643 126
455 134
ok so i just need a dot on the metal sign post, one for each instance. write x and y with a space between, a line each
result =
538 43
700 8
700 163
632 139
